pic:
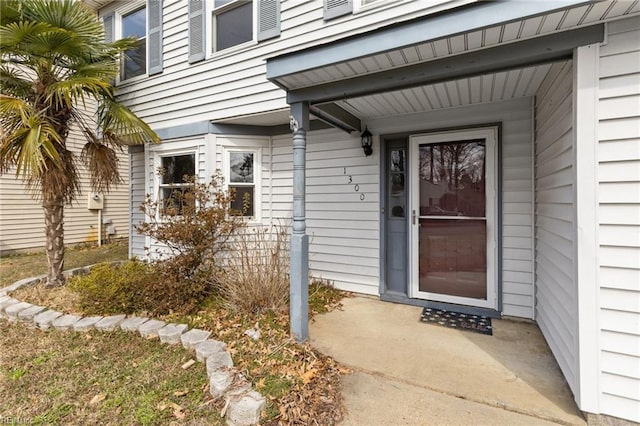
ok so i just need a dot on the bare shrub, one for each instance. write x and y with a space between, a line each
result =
194 223
255 274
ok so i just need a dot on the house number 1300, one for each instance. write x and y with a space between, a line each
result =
356 187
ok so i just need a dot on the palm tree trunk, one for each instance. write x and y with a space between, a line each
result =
54 230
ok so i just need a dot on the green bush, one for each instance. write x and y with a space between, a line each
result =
112 288
134 286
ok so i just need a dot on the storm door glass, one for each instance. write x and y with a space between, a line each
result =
452 219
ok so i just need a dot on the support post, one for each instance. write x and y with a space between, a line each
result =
299 272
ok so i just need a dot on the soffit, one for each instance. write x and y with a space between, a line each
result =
487 88
510 32
495 87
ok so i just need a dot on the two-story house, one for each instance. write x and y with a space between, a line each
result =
481 155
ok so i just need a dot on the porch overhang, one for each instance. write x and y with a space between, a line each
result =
545 49
318 66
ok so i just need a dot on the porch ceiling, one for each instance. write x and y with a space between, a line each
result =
281 71
495 87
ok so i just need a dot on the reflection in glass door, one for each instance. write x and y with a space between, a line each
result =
453 218
453 258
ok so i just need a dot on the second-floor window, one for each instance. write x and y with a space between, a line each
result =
232 23
142 20
220 25
134 63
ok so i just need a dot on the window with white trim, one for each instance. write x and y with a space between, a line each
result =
176 179
228 25
232 23
140 19
242 175
134 62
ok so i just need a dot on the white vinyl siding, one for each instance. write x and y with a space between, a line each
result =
234 83
517 187
136 176
619 220
343 228
556 296
22 218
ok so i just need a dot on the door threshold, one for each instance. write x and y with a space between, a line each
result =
402 298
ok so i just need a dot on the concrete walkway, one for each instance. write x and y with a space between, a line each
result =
409 373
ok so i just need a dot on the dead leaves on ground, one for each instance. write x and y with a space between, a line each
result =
97 399
316 398
301 385
178 411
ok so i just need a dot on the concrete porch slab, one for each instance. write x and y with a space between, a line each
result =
373 400
513 370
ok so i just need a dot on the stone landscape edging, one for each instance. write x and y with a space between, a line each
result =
243 405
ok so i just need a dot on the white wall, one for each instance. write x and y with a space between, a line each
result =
556 295
344 230
137 185
232 82
619 220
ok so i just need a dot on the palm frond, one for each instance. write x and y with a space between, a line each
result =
10 11
14 82
15 34
25 133
71 91
120 126
14 112
69 15
102 163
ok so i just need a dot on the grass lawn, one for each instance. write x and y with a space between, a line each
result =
19 266
52 377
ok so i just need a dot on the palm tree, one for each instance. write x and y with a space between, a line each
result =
56 72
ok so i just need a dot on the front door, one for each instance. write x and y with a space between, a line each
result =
453 217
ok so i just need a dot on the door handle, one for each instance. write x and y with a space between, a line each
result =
413 216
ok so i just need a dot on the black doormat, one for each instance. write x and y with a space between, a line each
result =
477 323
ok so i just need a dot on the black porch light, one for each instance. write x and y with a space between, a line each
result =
366 138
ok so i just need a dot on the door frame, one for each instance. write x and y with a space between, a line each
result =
490 134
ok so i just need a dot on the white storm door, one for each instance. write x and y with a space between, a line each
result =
453 218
